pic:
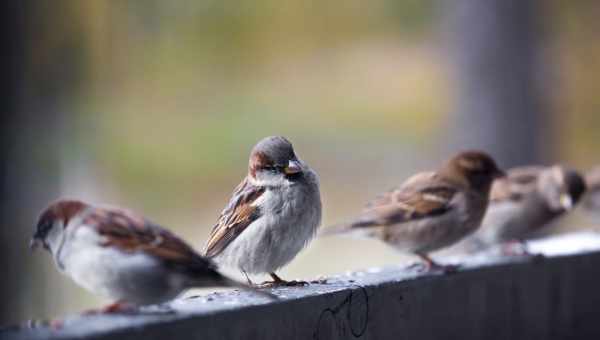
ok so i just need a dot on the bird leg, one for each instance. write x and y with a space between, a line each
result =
519 248
118 307
54 324
515 248
277 281
250 283
429 265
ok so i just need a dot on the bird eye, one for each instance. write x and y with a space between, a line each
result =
46 227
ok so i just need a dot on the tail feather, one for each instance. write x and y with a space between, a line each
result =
358 228
227 282
336 229
206 273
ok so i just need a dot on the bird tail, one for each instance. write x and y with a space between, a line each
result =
336 229
227 282
357 228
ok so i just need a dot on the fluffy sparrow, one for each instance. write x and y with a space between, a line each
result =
525 201
591 200
273 213
431 210
120 255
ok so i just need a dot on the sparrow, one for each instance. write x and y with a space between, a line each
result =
591 200
525 201
272 215
430 210
120 255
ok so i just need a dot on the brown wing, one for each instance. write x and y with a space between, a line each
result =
235 218
412 184
130 232
406 205
518 182
383 198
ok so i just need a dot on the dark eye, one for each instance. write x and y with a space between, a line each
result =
43 229
46 227
272 168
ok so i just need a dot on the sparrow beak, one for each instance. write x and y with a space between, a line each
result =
566 201
293 167
499 173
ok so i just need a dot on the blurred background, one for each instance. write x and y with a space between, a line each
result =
155 105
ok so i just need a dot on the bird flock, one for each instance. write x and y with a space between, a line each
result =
276 211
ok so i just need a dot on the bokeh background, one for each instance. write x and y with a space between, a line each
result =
155 105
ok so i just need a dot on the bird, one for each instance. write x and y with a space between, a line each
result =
118 254
525 201
430 210
591 200
272 215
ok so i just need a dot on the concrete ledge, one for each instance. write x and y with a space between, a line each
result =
555 297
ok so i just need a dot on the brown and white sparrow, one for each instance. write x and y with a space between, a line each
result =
122 256
431 210
273 213
591 200
526 201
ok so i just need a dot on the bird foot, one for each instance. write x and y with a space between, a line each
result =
425 267
520 249
447 268
115 308
279 282
156 309
515 248
321 280
418 267
54 324
282 283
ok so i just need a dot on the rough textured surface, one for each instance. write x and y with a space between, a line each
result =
491 298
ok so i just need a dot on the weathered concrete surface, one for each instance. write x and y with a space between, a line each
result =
556 297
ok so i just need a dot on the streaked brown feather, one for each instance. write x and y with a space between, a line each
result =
412 184
235 218
464 180
130 232
63 210
405 204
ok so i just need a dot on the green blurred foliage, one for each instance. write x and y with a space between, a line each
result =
178 92
172 95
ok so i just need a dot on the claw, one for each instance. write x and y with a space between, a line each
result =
279 282
429 265
118 307
515 248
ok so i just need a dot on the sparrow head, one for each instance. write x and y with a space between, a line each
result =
561 187
52 222
273 160
475 168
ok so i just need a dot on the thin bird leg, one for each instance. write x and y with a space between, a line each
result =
54 324
515 248
118 307
519 248
431 265
250 283
277 279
